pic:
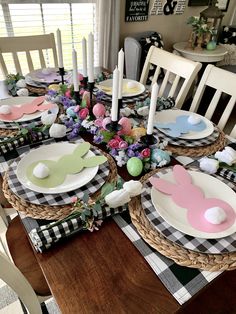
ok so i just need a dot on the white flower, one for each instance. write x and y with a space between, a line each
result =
86 124
117 198
162 163
21 83
62 117
57 130
48 118
209 165
23 92
133 187
226 29
227 155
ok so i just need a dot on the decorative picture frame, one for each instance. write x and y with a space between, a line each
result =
223 5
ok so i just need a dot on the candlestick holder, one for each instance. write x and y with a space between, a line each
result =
62 73
77 97
85 82
120 106
90 88
148 140
114 126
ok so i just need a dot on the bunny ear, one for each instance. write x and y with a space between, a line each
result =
37 101
163 185
94 161
82 149
181 175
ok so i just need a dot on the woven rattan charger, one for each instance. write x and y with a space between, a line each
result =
201 150
46 211
180 255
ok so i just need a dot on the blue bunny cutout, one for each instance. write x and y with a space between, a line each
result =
181 126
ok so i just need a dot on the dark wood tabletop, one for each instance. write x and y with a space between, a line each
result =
103 272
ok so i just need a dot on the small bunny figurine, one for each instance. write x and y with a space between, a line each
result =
191 197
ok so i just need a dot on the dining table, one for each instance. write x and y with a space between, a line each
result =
113 270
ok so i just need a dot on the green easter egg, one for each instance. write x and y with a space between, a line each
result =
134 166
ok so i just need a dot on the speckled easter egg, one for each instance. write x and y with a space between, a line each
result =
134 166
105 121
126 126
55 87
70 112
138 132
86 97
99 110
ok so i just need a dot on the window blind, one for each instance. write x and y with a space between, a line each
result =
75 20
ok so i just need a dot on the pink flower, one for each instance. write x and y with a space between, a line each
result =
83 113
98 122
118 138
123 144
113 143
74 199
145 153
68 93
81 92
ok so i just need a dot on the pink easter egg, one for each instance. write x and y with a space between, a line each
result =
99 110
86 97
126 126
105 122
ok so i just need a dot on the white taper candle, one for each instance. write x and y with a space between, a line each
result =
75 71
59 49
90 58
152 110
84 53
121 57
115 86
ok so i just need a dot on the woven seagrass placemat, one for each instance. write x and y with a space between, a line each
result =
199 151
46 211
36 90
180 255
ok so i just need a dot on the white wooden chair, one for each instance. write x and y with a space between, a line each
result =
11 275
18 266
223 82
27 44
175 67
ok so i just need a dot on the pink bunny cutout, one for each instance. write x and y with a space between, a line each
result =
190 196
18 111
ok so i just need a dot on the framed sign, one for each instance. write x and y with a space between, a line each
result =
192 3
136 11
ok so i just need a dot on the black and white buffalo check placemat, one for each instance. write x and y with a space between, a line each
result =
188 143
125 100
182 282
56 199
14 125
209 246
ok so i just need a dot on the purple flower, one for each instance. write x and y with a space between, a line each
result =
113 152
135 146
130 153
52 93
97 139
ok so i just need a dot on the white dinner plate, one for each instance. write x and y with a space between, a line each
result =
53 77
106 87
168 116
18 101
176 216
54 152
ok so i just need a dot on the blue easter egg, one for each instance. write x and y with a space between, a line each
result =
70 112
157 155
134 166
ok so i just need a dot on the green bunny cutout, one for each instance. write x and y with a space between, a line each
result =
67 164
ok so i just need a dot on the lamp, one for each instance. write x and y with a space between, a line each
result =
213 17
